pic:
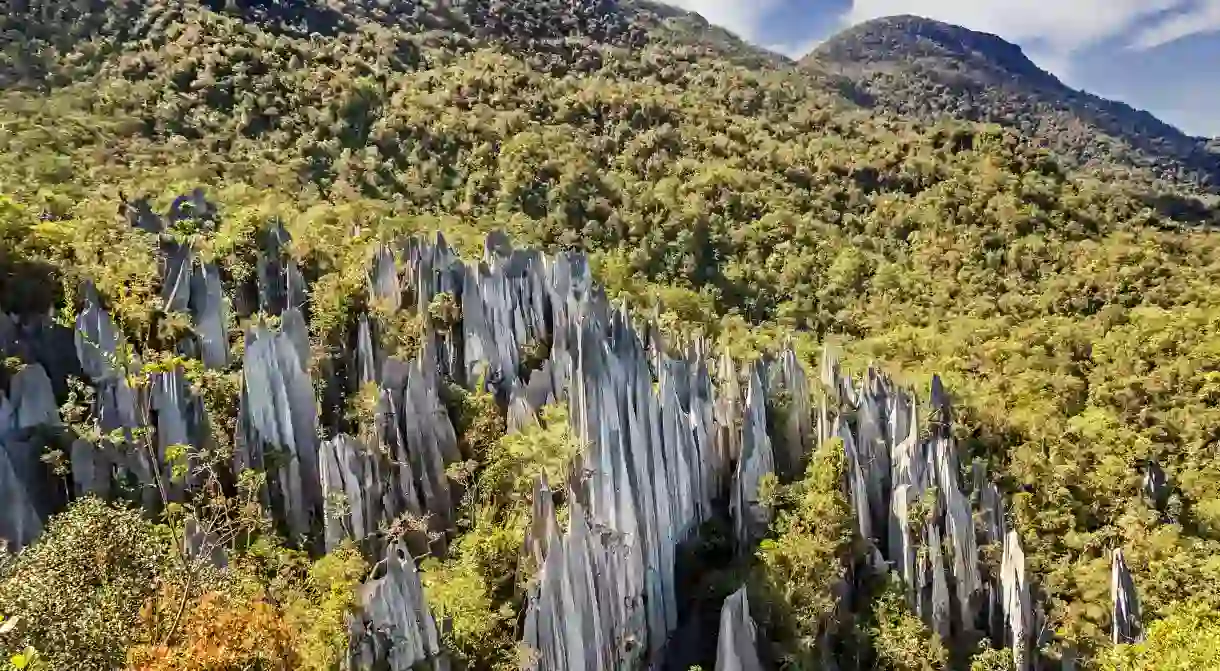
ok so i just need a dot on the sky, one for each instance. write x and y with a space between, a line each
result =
1159 55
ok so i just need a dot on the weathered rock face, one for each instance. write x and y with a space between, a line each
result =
645 484
394 631
924 520
751 519
738 643
1127 626
665 448
278 419
1018 614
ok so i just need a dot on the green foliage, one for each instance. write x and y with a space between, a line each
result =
362 406
919 67
477 589
545 450
800 569
77 592
900 640
1187 638
477 419
712 183
318 608
444 311
220 392
992 659
479 629
401 333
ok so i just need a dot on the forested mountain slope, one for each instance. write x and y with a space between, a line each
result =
714 183
923 68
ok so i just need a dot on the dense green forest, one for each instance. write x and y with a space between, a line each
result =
726 189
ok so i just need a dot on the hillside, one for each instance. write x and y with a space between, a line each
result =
918 67
715 189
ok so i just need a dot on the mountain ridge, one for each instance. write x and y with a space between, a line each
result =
914 66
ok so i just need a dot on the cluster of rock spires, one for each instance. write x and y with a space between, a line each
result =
664 446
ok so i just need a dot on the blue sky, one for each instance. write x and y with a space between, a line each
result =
1158 55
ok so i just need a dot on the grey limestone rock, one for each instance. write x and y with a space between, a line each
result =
176 276
394 629
1127 627
789 387
662 447
751 517
729 412
429 441
204 543
280 417
91 469
140 215
20 520
280 283
179 420
210 314
194 207
737 646
32 398
960 532
433 269
384 286
1156 485
97 339
572 618
350 488
989 510
1018 609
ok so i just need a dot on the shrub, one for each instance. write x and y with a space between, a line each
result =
800 568
77 592
271 610
901 640
221 632
1188 639
317 610
476 589
992 659
476 417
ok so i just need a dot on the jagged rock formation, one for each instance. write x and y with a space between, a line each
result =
395 630
664 446
750 517
1127 626
738 643
645 482
917 514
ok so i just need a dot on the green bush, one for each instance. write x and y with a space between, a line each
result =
477 590
1188 639
900 639
992 659
77 592
801 567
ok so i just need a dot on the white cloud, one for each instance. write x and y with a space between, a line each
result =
1054 29
794 50
1202 17
747 18
1064 26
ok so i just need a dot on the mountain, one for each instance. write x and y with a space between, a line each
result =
226 309
918 67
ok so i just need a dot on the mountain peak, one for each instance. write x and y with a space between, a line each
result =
920 67
907 36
